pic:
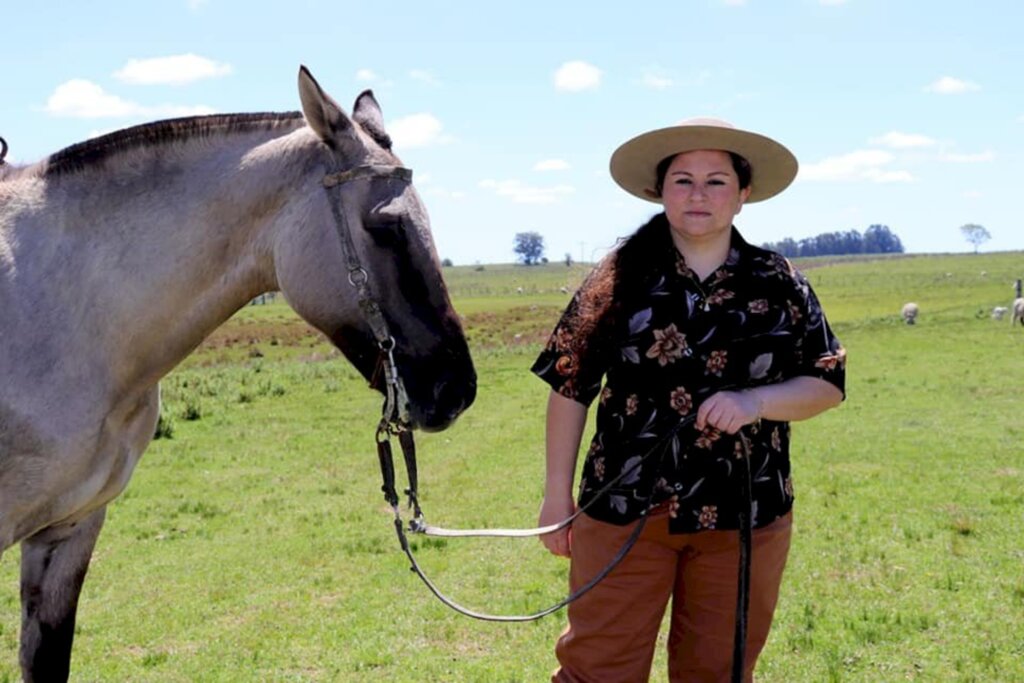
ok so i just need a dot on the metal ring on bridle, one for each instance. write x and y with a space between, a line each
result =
3 150
357 277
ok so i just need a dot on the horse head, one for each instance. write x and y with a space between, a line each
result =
360 264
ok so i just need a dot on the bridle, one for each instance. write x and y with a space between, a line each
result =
395 417
395 422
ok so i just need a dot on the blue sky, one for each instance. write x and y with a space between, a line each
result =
909 114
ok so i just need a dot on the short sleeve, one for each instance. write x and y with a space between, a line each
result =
821 353
574 361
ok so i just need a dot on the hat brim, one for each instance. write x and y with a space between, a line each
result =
633 165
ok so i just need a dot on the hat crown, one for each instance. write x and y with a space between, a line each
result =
706 121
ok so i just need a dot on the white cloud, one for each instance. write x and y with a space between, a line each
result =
973 194
576 76
979 157
867 164
174 70
417 130
877 175
551 165
84 99
898 140
195 4
366 75
424 77
79 98
947 85
525 194
655 81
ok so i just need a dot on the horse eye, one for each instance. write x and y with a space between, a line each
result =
385 231
384 224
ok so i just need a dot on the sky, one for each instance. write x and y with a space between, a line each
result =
902 113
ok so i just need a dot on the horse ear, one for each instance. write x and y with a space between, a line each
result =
366 112
322 113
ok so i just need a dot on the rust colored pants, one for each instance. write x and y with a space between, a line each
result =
613 629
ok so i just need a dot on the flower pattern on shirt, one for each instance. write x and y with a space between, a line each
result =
707 517
669 345
676 341
716 362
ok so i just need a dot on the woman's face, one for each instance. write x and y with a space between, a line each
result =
701 194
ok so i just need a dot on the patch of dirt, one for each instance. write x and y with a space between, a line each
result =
283 332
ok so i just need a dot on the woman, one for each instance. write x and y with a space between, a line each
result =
696 335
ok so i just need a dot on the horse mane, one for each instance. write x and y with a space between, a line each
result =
86 154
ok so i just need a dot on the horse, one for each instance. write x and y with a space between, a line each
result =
120 254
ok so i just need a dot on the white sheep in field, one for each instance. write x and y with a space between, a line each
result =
909 313
1018 311
998 312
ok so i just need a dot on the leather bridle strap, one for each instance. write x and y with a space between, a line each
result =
369 171
395 412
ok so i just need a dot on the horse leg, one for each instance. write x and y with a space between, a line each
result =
53 567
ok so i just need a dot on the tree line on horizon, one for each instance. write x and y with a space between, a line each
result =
877 239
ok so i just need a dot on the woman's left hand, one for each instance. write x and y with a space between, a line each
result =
729 411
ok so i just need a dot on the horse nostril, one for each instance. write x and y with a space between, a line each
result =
451 398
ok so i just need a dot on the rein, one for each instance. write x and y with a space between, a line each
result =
395 422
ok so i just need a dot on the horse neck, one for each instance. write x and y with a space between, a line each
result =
179 254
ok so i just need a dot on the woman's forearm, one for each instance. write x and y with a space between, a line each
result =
566 420
795 399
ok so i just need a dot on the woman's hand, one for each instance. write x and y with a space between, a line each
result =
553 510
729 411
797 398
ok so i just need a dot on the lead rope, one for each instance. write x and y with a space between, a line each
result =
386 458
417 525
745 514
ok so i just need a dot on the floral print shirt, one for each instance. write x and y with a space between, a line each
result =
752 322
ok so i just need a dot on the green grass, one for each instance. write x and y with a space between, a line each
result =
254 543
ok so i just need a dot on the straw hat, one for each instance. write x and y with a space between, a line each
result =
634 163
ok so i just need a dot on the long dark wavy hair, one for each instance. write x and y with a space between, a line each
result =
627 270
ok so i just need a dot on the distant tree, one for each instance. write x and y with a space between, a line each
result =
568 259
878 239
446 263
787 247
529 247
975 234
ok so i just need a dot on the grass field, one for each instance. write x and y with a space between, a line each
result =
253 543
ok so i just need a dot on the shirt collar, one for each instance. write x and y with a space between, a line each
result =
740 251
